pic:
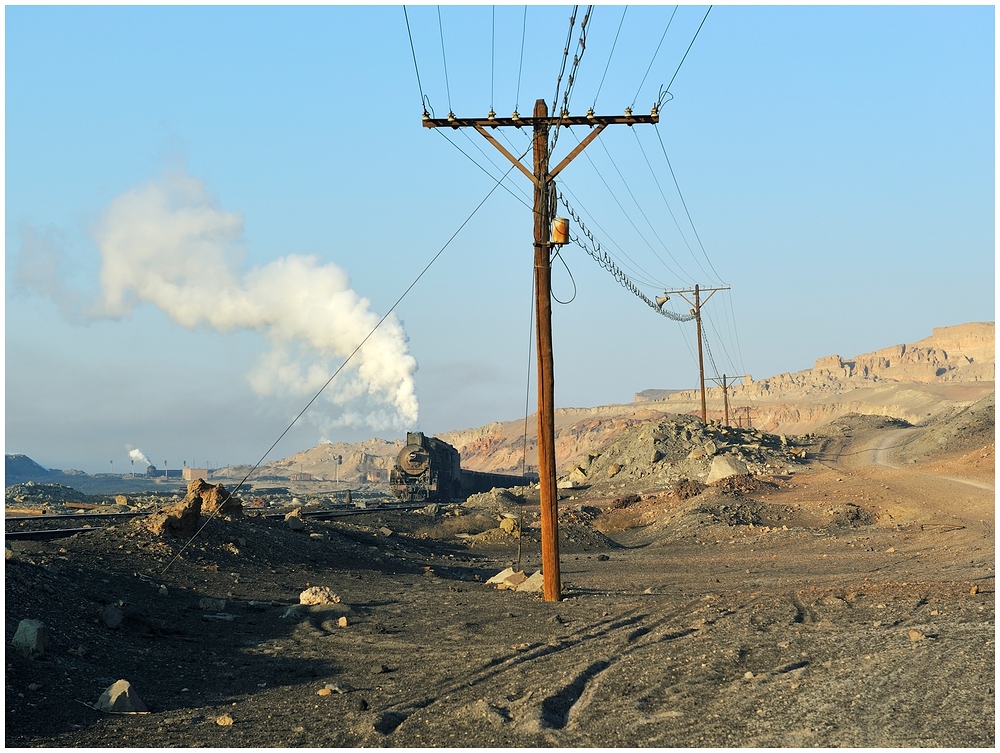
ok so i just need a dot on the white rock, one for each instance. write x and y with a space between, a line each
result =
534 584
501 576
724 466
120 697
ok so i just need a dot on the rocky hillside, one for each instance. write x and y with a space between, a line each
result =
952 368
931 379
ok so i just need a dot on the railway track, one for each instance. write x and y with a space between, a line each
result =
47 534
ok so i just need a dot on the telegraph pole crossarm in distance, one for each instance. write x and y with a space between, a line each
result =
697 303
542 178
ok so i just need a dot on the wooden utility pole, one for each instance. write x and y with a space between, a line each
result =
698 303
543 179
725 396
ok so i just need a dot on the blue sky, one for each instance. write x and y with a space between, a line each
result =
188 188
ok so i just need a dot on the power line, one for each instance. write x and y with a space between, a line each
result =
581 47
444 61
493 53
684 203
627 216
652 172
610 55
413 51
607 263
520 65
655 53
626 261
689 47
474 162
639 207
562 68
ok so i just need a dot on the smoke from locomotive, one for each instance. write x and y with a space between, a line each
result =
430 470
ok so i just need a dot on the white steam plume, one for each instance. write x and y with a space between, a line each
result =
138 455
167 243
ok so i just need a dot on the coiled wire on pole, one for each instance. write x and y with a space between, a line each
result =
605 261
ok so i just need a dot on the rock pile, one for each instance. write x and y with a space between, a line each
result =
201 497
34 493
681 447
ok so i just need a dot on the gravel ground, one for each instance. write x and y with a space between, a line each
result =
846 604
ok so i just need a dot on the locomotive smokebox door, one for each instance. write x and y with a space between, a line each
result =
413 459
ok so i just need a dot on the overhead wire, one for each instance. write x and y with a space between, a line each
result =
684 204
444 61
565 57
473 161
344 364
626 261
697 32
643 213
423 100
493 53
520 65
666 203
624 211
655 53
606 262
581 46
558 255
527 402
610 55
514 189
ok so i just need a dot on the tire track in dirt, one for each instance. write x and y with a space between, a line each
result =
603 644
892 440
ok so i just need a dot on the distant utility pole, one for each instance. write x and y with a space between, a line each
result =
544 181
725 396
698 303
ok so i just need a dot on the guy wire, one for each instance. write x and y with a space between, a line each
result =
341 367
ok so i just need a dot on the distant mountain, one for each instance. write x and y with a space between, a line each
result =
21 468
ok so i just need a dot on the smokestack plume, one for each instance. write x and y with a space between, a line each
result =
137 455
167 243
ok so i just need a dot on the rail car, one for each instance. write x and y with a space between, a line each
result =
428 469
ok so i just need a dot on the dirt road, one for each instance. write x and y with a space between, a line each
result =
849 604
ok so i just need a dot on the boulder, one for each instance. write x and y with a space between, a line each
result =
534 584
294 520
509 525
724 466
120 698
215 500
178 519
318 595
31 638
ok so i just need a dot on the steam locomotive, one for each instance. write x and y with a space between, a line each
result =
430 470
